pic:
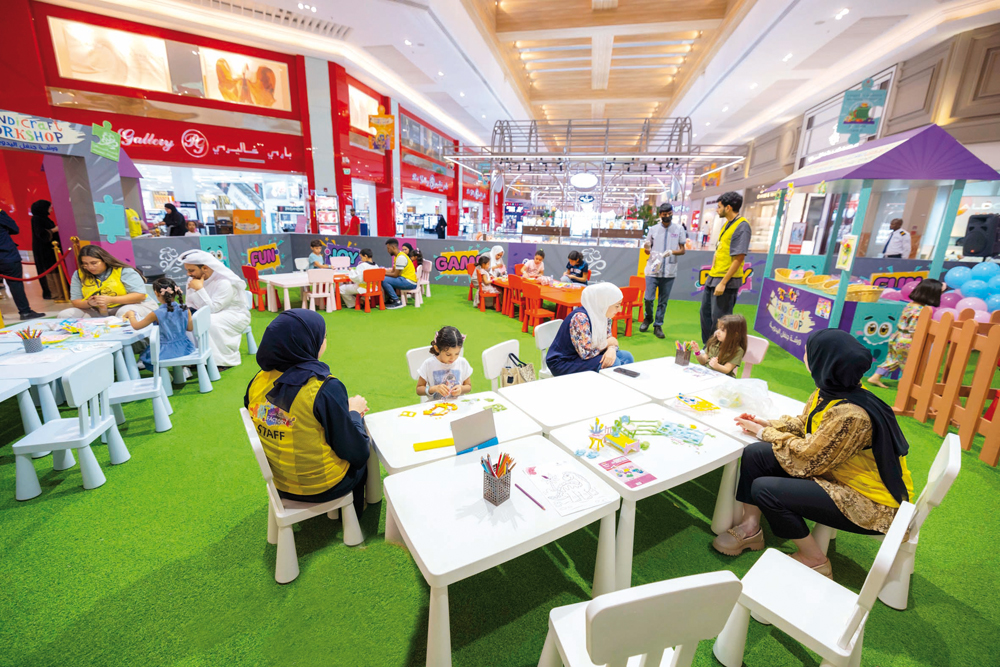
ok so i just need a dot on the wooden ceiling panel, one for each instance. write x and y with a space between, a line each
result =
530 16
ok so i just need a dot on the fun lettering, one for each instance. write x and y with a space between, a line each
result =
455 262
264 257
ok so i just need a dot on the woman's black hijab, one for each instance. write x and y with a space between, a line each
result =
837 362
40 221
291 345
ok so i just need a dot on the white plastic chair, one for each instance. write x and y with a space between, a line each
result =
340 263
544 335
301 263
417 298
283 514
424 279
662 622
251 341
756 349
495 360
321 286
817 612
86 388
944 470
144 388
208 372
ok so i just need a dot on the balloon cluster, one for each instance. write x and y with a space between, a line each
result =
976 289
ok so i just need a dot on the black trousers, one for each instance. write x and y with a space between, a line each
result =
787 501
353 482
15 270
714 307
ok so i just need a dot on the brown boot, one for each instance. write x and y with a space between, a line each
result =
733 542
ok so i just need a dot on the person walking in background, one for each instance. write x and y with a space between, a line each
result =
897 246
442 227
10 265
726 275
663 243
176 225
43 233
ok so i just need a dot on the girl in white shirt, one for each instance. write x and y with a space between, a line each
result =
447 374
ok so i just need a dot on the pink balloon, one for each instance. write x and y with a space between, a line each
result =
907 288
950 299
891 295
939 313
981 316
970 302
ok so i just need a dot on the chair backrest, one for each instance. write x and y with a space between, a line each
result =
252 277
515 282
630 297
532 295
150 291
154 353
248 297
425 277
638 282
518 268
373 279
648 619
256 446
756 349
321 280
544 335
942 475
879 572
471 268
88 379
495 359
340 262
201 321
420 275
301 263
415 357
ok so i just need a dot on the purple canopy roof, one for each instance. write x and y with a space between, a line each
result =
926 153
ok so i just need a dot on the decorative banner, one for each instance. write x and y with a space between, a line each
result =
246 222
216 245
848 248
107 142
857 114
455 263
334 250
385 130
897 279
873 324
745 286
264 257
35 133
787 315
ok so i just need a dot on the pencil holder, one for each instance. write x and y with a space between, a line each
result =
496 489
683 358
32 345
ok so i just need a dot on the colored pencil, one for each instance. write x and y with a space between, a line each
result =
529 496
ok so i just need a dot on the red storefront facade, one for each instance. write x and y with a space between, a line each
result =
425 171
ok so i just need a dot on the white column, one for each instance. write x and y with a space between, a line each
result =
321 125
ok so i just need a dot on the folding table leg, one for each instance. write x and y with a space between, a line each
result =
438 629
624 544
604 568
722 517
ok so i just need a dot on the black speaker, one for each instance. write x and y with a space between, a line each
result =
981 236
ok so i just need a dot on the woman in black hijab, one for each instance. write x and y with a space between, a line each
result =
43 233
841 463
312 433
175 222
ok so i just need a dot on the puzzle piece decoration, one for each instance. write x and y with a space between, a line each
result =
110 219
107 143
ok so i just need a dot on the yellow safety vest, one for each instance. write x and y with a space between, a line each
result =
860 472
294 442
409 272
111 286
723 260
134 223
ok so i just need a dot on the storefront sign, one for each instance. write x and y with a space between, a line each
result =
745 286
857 113
35 133
384 126
898 279
420 179
264 257
246 222
107 142
474 193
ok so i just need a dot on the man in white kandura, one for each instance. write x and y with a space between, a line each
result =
212 285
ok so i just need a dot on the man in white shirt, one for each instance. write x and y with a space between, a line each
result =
212 285
898 245
349 291
664 242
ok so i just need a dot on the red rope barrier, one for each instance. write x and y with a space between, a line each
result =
39 276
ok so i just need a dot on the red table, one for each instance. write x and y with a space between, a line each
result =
565 299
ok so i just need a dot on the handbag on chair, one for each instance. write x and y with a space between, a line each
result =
517 372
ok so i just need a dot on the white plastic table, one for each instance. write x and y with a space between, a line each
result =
125 335
284 281
671 462
566 399
394 435
661 379
20 389
722 420
438 511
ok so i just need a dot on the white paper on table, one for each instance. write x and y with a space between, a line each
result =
564 488
23 358
84 347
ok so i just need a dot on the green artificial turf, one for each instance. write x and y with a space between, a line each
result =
168 563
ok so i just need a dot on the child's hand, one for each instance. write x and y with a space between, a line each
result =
713 362
456 390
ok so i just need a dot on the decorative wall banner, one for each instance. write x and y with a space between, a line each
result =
35 133
384 126
857 113
246 222
264 257
896 280
788 314
107 142
746 284
332 249
455 263
216 245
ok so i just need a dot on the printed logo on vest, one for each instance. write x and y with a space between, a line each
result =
271 415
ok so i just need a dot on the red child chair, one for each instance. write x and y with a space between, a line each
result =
471 268
533 313
518 268
638 282
373 290
254 287
497 300
630 295
515 296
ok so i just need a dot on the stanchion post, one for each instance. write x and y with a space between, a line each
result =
62 273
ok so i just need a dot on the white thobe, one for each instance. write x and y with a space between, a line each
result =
230 317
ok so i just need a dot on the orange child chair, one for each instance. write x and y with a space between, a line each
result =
515 295
630 295
518 268
533 313
255 288
497 300
639 282
471 268
373 290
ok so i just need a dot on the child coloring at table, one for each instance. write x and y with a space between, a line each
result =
725 349
927 293
316 260
484 280
173 318
534 268
577 269
446 374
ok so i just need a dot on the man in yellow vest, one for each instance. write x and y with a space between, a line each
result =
726 275
402 275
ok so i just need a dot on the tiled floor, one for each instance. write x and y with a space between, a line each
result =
34 293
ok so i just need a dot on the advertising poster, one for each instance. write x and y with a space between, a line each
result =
223 221
233 77
246 222
857 113
788 315
384 127
898 279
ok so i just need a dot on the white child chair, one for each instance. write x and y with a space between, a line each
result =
301 263
817 612
944 470
208 372
86 388
340 263
756 349
414 359
321 286
145 388
424 279
544 335
283 514
417 298
495 360
251 341
662 622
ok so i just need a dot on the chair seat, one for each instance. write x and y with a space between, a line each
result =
192 359
294 511
538 312
60 434
570 625
134 390
815 615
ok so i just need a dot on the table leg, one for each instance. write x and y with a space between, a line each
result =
722 518
28 415
121 370
604 568
49 409
438 629
133 367
392 533
624 543
373 483
272 298
287 301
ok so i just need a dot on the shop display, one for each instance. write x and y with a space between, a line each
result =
327 216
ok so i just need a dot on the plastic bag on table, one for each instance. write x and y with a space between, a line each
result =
746 395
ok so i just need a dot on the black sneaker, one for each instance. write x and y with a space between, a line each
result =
644 327
393 305
658 332
31 315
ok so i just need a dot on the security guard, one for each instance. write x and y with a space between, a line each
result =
898 245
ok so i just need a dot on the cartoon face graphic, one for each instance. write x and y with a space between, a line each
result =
875 335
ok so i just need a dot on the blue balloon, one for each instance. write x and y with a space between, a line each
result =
957 276
985 271
994 284
976 288
993 303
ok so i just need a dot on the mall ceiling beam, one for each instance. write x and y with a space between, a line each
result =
632 94
526 19
599 5
535 32
600 68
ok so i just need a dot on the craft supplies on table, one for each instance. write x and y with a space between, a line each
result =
31 339
562 486
496 478
683 355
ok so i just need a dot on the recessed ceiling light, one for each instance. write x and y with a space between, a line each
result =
484 115
314 9
786 58
842 13
752 86
461 94
407 42
440 73
707 124
693 135
725 109
300 5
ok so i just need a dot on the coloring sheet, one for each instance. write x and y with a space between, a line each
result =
566 489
